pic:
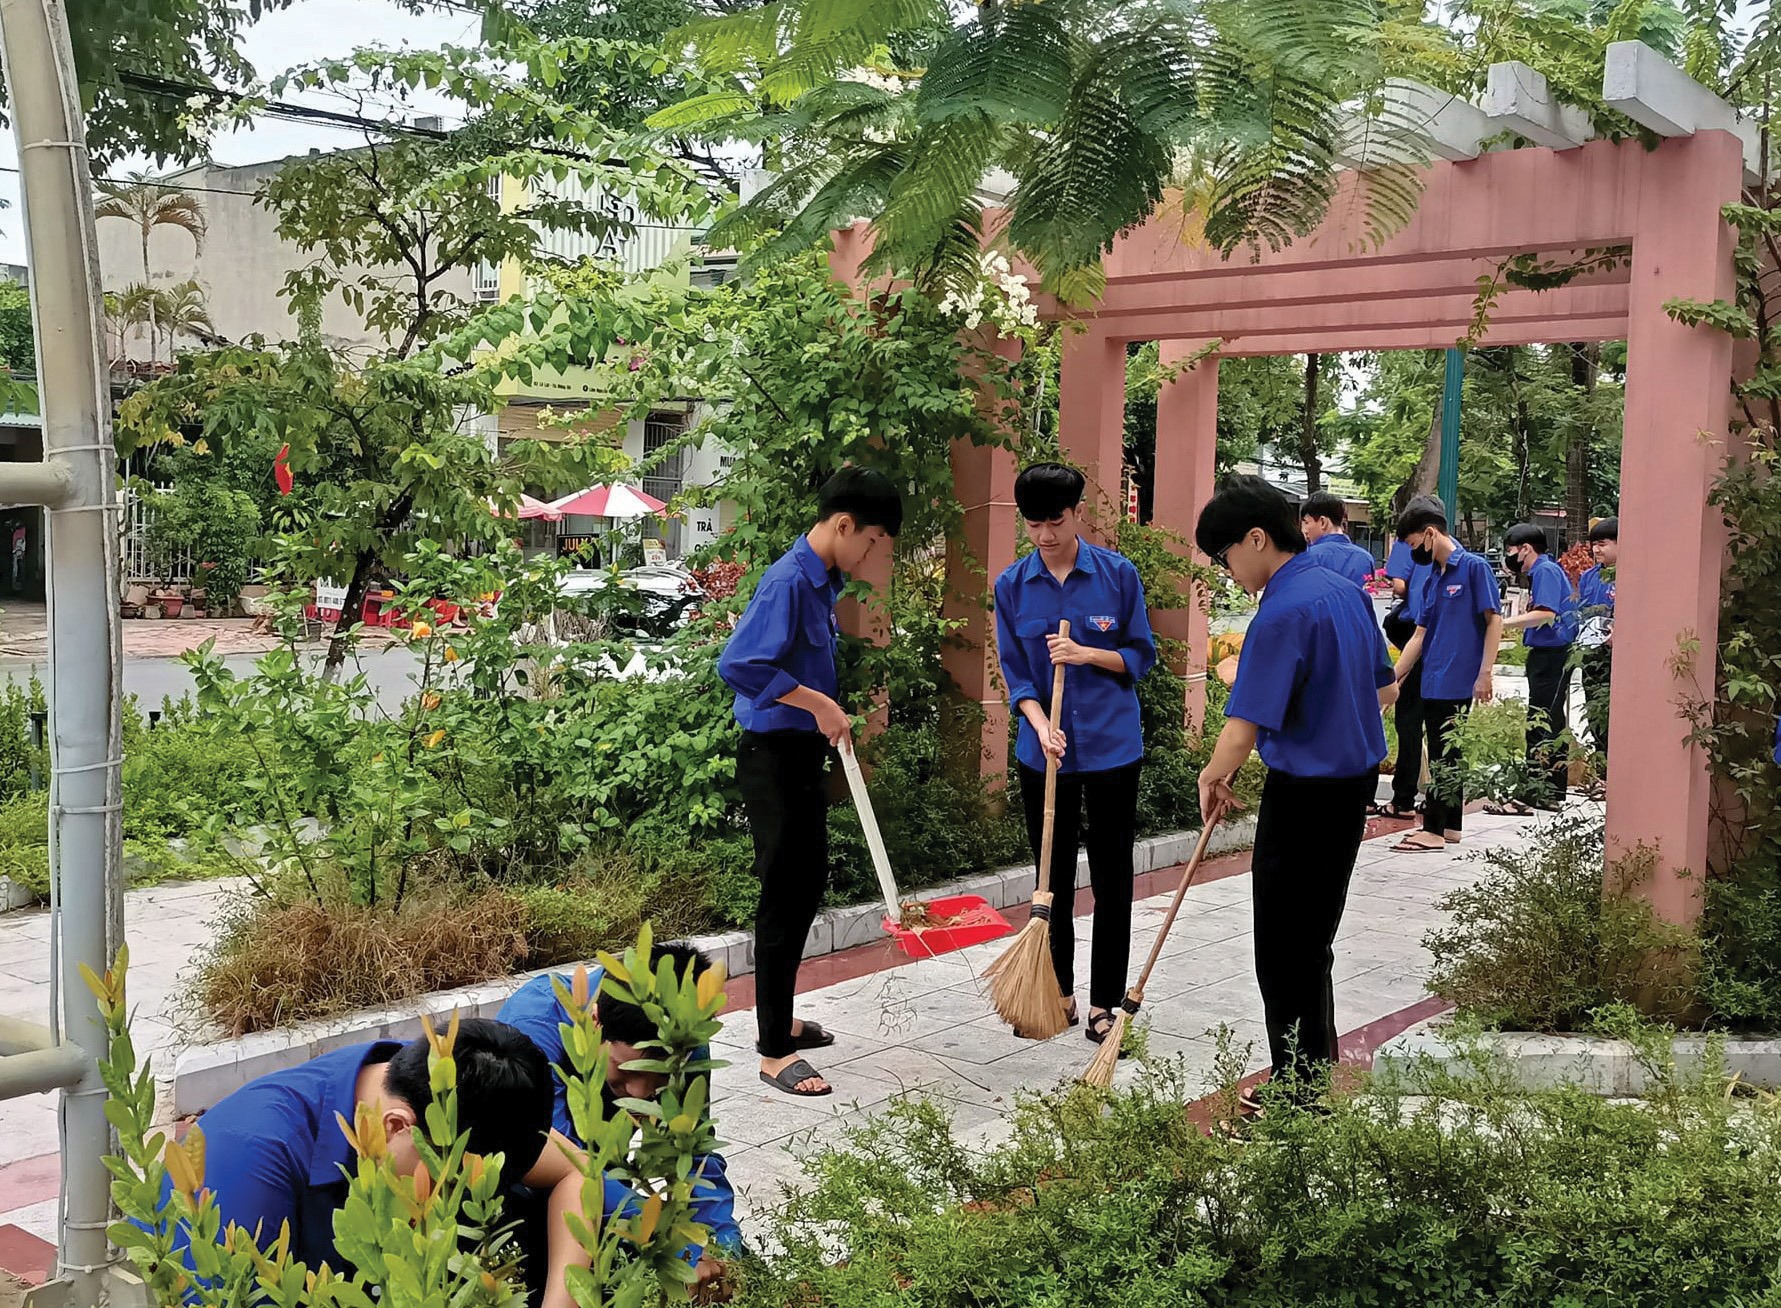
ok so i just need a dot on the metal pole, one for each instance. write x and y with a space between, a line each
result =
1451 386
84 634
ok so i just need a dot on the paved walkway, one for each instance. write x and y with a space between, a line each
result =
922 1026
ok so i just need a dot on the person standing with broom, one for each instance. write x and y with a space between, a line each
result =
1312 681
780 661
1099 745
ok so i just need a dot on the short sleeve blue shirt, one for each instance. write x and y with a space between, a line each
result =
1595 607
1309 676
274 1153
785 639
535 1009
1104 602
1454 608
1343 557
1401 565
1551 589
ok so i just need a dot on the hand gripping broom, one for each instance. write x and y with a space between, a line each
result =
1100 1071
1022 982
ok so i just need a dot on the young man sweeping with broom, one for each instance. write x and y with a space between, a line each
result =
780 661
1098 747
1310 686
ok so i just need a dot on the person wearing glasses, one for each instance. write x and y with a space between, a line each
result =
1312 681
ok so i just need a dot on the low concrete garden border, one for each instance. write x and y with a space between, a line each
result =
1600 1065
203 1074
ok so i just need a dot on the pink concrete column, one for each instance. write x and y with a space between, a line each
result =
983 480
1677 408
1186 457
1091 422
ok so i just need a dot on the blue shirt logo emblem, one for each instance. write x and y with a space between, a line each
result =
1102 624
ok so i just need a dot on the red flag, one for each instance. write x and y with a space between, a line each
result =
281 470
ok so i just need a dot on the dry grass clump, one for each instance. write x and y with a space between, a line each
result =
285 963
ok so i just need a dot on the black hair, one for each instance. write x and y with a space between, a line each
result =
1045 490
504 1090
628 1023
1526 533
867 497
1241 505
1606 529
1423 511
1325 505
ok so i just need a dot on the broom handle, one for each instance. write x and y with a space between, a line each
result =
862 803
1187 880
1050 827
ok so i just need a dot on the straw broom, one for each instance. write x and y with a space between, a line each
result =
1106 1060
1022 982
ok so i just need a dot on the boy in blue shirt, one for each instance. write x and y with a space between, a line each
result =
535 1010
1312 680
1547 629
1100 746
780 661
1406 577
1324 520
274 1151
1595 633
1459 627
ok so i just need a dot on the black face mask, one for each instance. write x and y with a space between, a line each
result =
1514 562
1422 556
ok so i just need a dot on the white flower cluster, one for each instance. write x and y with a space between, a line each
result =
876 80
1000 295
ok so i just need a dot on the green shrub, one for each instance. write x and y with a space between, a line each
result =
20 759
24 841
1536 945
1474 1197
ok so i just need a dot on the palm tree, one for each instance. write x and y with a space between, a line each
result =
151 204
177 310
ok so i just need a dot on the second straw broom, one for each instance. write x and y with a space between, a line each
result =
1023 983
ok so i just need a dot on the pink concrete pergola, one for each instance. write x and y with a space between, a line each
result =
1338 291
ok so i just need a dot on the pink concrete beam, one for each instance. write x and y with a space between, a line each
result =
1186 458
1091 422
1539 331
1677 407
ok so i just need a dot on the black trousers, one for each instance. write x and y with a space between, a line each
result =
1598 670
1548 717
1111 799
1445 807
785 794
1407 716
1307 834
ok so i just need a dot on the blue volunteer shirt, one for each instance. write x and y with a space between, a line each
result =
1453 608
1551 589
1309 678
1343 557
535 1009
1103 601
785 639
1595 607
1401 565
273 1152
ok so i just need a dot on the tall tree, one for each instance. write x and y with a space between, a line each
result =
1090 105
149 205
1309 457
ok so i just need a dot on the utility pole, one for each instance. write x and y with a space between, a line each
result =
77 484
1447 483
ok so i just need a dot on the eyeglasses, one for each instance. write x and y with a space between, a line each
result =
1223 557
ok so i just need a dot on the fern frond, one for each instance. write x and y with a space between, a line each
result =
856 188
701 110
735 41
1017 65
947 161
951 261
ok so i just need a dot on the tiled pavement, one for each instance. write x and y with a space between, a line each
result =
922 1026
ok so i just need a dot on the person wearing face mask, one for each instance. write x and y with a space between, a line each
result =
780 661
1547 629
1595 634
1311 684
1459 626
1100 745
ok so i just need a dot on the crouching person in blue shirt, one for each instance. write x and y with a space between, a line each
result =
780 661
275 1153
535 1010
1311 683
1100 745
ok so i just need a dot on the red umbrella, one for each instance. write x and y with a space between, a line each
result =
531 508
615 501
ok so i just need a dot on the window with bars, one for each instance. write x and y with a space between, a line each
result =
666 478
